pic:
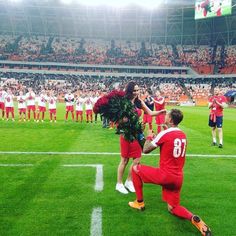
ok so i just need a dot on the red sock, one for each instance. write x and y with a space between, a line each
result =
7 115
182 212
138 185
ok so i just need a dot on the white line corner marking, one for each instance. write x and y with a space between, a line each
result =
99 174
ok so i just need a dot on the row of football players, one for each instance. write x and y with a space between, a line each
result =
27 104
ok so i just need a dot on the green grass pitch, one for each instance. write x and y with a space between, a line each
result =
50 199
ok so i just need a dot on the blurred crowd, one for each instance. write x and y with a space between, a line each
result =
173 89
204 59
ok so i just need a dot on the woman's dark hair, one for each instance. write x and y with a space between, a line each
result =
129 94
130 89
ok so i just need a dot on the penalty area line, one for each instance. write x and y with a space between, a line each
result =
99 174
96 222
109 154
15 165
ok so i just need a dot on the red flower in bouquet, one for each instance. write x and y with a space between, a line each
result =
115 93
101 102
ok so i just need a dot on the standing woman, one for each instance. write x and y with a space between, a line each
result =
131 149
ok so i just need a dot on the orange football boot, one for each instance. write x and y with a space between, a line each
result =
137 205
201 226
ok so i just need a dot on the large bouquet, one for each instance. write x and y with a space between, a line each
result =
117 108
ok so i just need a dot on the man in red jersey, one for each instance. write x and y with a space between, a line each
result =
147 119
159 102
169 175
217 103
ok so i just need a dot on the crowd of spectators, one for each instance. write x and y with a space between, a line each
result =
203 58
172 89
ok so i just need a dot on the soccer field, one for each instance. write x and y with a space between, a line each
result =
60 180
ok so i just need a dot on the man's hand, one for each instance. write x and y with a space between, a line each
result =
148 147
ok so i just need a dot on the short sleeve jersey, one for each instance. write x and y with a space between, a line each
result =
9 100
3 94
161 106
42 100
172 143
149 103
52 102
88 104
70 99
30 96
21 102
79 104
217 109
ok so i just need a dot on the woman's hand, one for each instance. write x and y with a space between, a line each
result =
163 111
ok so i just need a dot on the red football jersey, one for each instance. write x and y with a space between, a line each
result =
218 110
172 143
158 106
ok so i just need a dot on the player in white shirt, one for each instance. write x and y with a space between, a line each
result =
3 94
21 106
9 104
69 100
94 98
52 100
42 99
30 102
79 104
89 109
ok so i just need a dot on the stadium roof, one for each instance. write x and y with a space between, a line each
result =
172 22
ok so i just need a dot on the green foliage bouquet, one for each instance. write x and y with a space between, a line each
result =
120 110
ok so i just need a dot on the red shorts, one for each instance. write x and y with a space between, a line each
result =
147 119
70 108
79 112
89 112
9 109
160 119
22 110
53 111
130 149
31 108
41 109
2 105
171 184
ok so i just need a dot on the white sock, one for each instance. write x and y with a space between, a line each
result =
221 141
214 140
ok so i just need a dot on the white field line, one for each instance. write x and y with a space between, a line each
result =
15 165
109 154
96 222
99 174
